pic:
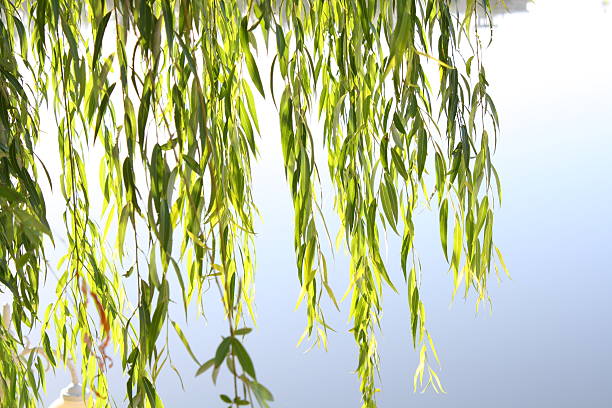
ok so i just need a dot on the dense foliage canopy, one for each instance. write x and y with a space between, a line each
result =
165 90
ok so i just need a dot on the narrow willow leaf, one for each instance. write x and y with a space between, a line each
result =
243 331
192 164
102 109
501 260
204 367
222 351
243 357
434 59
100 36
436 379
254 71
433 349
456 257
482 213
262 394
11 195
184 340
397 121
421 152
399 163
150 390
153 276
444 227
440 175
251 105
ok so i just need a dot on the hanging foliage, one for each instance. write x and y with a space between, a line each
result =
163 91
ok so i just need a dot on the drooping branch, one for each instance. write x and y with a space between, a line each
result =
162 91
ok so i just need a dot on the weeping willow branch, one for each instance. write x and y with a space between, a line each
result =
163 92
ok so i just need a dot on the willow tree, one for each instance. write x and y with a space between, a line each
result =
165 90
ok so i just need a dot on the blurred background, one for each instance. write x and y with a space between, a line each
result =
545 342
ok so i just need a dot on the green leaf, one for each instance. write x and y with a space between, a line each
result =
242 331
184 340
421 152
102 109
254 71
204 367
390 203
262 394
143 114
47 348
222 351
280 40
11 194
99 36
192 164
403 34
457 245
251 104
243 357
444 227
433 348
399 163
153 276
501 260
440 175
150 390
123 220
168 21
399 125
482 214
215 374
